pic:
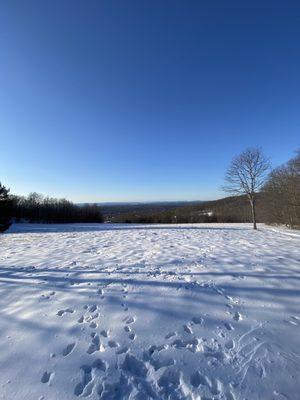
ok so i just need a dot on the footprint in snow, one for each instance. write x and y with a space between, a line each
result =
198 379
47 377
48 296
68 349
90 318
113 343
130 320
170 381
161 363
229 344
85 387
60 313
197 320
154 348
228 326
187 329
134 366
237 316
96 345
122 350
170 334
193 344
220 332
105 333
93 308
214 386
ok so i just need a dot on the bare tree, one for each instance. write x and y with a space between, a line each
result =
246 175
282 194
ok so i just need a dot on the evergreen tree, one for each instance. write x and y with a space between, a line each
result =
3 192
5 208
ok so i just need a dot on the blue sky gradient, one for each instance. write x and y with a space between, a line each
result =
144 100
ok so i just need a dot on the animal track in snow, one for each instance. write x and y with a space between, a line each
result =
237 316
156 358
215 353
214 386
228 326
122 350
170 334
85 387
134 366
130 320
154 348
113 343
162 362
90 318
192 344
232 299
47 377
48 296
187 329
68 349
197 320
229 344
198 379
93 308
60 313
132 336
105 333
96 345
170 383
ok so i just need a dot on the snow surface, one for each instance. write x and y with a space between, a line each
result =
149 312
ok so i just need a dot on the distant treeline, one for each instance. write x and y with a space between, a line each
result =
37 208
111 211
229 209
282 194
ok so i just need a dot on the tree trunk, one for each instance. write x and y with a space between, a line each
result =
252 202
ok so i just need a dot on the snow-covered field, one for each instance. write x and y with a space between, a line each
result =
149 312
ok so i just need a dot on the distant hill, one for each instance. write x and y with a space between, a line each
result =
113 209
228 209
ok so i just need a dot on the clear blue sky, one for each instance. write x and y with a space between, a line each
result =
146 99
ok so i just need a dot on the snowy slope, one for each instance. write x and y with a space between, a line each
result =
149 312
